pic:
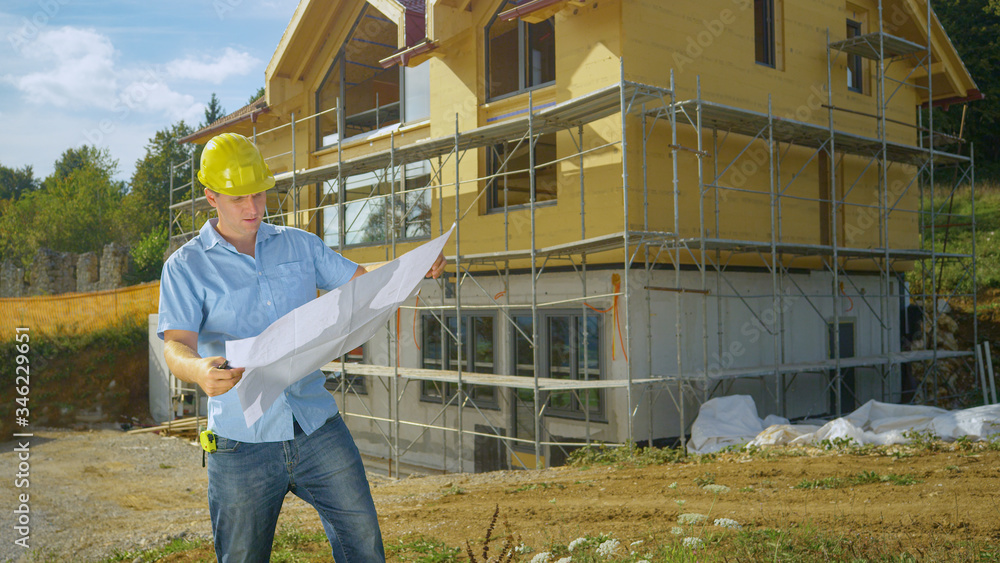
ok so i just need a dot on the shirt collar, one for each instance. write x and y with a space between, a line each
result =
211 237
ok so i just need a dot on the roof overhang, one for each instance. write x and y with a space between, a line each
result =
240 121
945 78
331 22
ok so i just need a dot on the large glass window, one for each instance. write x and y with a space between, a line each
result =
519 55
509 166
440 351
370 94
570 348
370 210
417 92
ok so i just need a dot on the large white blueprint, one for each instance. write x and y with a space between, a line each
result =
327 327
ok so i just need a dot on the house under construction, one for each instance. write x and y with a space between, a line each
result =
655 203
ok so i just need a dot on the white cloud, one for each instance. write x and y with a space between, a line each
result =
230 63
74 68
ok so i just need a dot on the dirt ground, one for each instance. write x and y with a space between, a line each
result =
92 492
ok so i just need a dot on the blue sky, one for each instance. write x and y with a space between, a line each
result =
112 73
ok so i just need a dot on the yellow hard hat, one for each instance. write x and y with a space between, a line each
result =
231 164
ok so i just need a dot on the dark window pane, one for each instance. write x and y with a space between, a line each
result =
541 53
503 53
764 31
855 77
326 99
511 162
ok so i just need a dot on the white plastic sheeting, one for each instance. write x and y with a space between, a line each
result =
725 421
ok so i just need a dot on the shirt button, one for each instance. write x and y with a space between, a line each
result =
260 273
268 302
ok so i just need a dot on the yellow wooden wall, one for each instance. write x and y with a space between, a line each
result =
710 40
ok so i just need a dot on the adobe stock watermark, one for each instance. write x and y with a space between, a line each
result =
757 159
696 45
868 216
132 97
224 7
752 331
31 27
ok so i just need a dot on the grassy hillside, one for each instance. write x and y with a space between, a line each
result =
953 234
99 376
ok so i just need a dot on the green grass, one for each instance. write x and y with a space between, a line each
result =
863 478
797 543
179 545
421 549
954 208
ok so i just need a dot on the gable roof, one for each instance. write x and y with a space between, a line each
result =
319 26
949 79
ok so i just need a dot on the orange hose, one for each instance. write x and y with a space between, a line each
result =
416 303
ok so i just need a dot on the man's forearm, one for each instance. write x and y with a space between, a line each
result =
183 362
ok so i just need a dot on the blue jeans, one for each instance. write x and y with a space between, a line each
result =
247 483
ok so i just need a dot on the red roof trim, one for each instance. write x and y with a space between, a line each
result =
402 57
249 111
525 9
973 96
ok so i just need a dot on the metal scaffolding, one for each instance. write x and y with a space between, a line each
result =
722 136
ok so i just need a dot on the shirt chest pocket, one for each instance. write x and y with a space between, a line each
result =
293 284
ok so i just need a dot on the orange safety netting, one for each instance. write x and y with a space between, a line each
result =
79 313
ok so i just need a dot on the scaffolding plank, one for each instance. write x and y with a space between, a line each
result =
823 366
749 246
610 241
750 123
577 111
493 380
867 46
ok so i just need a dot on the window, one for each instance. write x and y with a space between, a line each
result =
370 209
519 55
417 92
509 165
478 344
354 383
369 94
855 65
570 349
764 36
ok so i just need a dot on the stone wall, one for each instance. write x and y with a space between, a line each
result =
11 280
114 266
88 272
52 272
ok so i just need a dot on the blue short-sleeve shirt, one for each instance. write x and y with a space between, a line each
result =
209 287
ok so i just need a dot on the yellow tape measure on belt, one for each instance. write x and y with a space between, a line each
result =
207 439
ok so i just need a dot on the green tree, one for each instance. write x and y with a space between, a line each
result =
16 181
261 91
213 111
974 27
146 206
75 210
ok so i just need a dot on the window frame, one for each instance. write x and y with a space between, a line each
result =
495 160
766 45
855 63
524 65
428 393
342 118
544 360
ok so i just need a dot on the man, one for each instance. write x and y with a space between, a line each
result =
231 281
